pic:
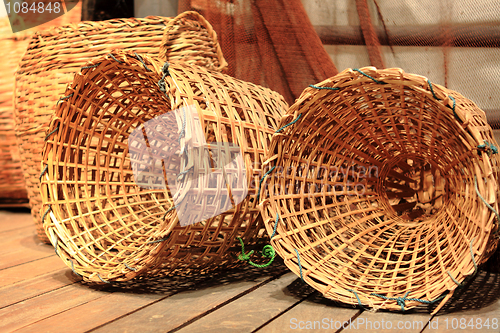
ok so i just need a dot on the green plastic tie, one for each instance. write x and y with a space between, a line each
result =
267 252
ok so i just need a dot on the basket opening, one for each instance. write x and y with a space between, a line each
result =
413 187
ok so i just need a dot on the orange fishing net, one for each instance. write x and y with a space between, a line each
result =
267 42
275 42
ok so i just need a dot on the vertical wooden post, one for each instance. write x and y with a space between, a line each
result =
143 8
88 8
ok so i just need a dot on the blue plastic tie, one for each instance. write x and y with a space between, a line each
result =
262 179
300 266
432 90
289 124
357 297
485 202
275 225
368 76
325 88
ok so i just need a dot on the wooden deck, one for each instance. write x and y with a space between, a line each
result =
38 293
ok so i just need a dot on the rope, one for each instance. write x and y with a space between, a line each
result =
43 172
93 66
368 76
71 261
492 149
472 255
132 269
401 300
357 297
267 252
300 266
369 35
169 210
183 130
158 240
453 107
118 61
485 202
460 285
275 225
161 83
261 180
142 61
100 278
73 268
450 97
45 214
182 173
63 98
327 88
48 135
432 90
289 124
55 246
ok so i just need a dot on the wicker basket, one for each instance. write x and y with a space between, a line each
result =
373 189
55 56
107 226
12 185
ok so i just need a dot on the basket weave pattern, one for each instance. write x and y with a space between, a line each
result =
190 38
374 189
105 226
55 56
12 185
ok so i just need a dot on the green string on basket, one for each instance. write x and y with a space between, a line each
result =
486 203
368 76
357 297
267 252
324 88
401 300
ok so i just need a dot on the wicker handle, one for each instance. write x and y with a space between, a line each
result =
191 31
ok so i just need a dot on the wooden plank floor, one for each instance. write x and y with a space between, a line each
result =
38 293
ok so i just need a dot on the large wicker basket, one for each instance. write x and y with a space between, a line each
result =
104 222
383 190
12 185
55 56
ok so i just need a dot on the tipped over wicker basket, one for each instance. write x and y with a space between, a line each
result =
107 227
381 188
55 56
12 185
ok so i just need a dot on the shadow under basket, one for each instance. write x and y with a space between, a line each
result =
106 221
382 189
